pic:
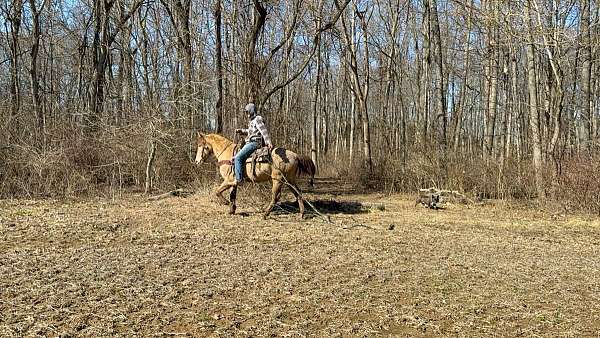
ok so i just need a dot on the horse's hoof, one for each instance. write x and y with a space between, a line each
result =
265 216
232 210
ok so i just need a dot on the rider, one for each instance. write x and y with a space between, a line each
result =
255 135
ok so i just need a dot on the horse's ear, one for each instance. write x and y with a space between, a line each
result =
200 135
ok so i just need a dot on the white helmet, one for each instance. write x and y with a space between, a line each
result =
250 109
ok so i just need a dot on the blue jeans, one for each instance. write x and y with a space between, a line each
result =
240 158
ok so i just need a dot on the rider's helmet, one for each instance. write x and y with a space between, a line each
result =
250 110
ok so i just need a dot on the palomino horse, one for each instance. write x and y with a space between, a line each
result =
283 169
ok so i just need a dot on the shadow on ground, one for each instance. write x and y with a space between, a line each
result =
323 206
332 186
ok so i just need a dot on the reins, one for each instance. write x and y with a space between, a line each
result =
227 162
224 162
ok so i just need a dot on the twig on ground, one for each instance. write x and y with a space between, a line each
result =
357 224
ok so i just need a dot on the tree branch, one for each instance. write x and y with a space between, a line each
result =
316 39
124 20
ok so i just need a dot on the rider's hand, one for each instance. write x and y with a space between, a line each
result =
270 147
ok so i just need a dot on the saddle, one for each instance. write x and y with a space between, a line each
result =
260 155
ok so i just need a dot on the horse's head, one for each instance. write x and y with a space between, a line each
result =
204 149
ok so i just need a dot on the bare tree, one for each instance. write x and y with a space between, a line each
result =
441 114
104 37
533 103
219 65
33 71
179 13
459 111
13 11
360 88
313 135
492 74
585 51
424 73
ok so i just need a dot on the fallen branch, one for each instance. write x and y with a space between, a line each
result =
356 224
176 192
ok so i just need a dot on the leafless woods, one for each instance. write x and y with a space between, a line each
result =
493 96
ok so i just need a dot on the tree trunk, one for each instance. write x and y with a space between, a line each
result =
252 70
457 122
219 65
556 96
14 17
492 79
586 78
424 79
441 87
352 125
315 110
533 106
125 75
33 71
515 109
365 93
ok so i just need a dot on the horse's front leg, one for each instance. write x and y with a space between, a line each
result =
219 192
232 196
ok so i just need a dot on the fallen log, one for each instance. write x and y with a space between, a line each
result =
435 198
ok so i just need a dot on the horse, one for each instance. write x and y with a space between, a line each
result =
284 168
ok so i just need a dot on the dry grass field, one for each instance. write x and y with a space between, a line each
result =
381 268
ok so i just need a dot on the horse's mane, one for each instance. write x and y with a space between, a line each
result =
216 138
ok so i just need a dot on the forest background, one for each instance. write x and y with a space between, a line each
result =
498 99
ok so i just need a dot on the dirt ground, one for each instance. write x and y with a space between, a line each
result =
382 267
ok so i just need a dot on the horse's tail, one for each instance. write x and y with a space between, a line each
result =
306 166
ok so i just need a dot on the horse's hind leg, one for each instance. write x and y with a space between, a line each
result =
298 195
232 196
276 191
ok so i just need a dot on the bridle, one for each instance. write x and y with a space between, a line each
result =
225 162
